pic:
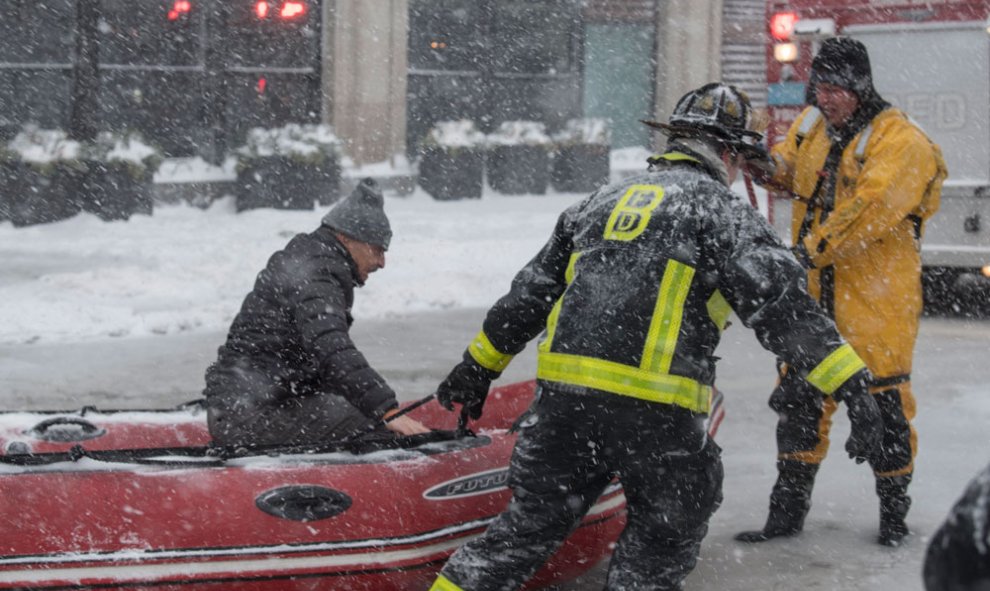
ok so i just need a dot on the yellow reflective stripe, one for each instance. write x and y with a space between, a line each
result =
487 355
444 584
864 138
661 340
679 156
835 369
569 272
624 380
551 326
555 312
718 310
809 121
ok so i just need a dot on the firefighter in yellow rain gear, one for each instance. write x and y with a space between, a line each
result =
865 179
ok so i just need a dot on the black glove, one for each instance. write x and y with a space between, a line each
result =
467 384
760 166
864 415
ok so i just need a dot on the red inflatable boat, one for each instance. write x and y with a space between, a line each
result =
139 500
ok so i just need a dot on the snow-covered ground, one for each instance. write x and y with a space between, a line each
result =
186 269
143 303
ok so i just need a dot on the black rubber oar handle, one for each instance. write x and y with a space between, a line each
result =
410 408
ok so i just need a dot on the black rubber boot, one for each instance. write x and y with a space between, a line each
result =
894 505
789 502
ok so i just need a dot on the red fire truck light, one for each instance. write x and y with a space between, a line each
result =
782 25
179 8
261 9
293 9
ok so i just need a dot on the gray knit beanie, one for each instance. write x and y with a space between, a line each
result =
361 215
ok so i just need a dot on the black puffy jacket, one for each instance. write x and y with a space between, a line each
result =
291 338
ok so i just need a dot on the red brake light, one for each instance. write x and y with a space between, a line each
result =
262 85
293 9
261 9
782 25
179 8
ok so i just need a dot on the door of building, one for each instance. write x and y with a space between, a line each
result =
619 71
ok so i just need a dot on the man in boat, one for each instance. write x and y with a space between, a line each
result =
631 293
865 178
289 372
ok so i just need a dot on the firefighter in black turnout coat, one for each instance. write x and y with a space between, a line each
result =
289 372
633 290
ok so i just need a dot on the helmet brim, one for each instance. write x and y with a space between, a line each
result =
739 144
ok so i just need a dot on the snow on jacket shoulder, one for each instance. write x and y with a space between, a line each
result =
636 284
293 329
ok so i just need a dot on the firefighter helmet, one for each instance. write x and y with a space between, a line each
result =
715 111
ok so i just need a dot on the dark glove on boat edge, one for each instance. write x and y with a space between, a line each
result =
467 384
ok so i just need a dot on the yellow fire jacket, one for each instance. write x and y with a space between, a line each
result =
863 241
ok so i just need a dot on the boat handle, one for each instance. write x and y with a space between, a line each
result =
54 429
305 502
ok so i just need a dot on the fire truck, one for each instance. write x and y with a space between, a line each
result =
932 60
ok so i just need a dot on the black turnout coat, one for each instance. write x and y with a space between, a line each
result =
636 284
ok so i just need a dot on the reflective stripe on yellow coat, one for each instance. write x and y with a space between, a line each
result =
868 237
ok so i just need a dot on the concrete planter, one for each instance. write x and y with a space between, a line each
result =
452 173
283 182
115 191
31 195
519 169
580 168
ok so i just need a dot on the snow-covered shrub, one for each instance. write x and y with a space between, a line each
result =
308 143
516 133
590 130
125 150
44 150
454 135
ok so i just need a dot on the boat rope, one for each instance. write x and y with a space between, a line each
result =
218 455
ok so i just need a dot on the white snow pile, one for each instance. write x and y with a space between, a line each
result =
304 140
196 170
511 133
41 146
455 134
129 147
590 130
